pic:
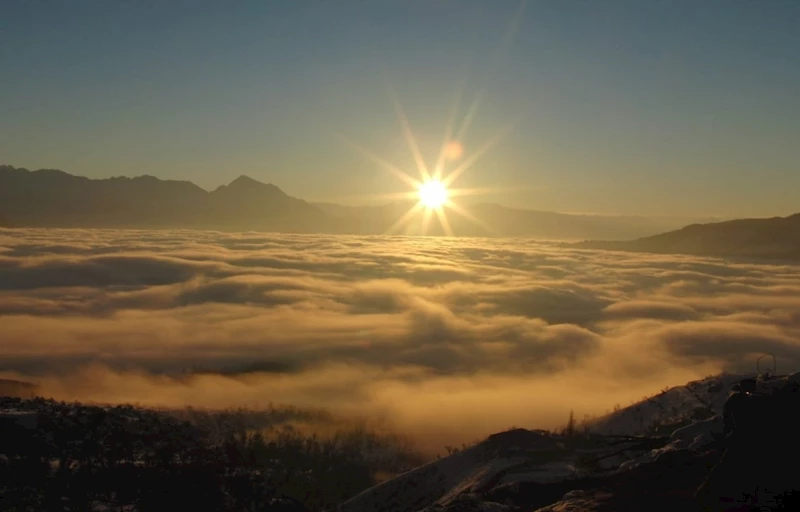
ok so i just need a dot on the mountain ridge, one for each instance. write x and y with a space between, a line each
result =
776 238
54 198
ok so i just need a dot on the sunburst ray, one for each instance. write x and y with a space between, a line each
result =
408 134
438 169
426 220
453 175
402 221
470 217
510 34
383 163
479 191
389 196
432 190
444 222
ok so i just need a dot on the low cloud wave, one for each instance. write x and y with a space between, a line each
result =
448 339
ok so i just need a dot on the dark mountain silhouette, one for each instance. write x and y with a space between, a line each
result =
772 238
515 222
53 198
498 220
366 220
249 204
18 388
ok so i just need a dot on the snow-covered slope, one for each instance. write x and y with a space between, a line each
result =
662 413
441 481
679 420
682 404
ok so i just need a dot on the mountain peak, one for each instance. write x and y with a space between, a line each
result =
245 180
245 183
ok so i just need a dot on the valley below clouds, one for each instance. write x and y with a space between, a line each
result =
448 339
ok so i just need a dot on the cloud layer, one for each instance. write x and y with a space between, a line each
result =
446 337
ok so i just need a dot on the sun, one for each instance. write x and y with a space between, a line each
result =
433 194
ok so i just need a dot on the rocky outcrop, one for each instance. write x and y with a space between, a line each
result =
758 467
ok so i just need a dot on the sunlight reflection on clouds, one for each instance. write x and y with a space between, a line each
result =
399 316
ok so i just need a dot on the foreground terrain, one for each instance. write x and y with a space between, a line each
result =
670 454
653 455
69 456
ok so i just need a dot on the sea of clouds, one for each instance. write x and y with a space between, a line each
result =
447 338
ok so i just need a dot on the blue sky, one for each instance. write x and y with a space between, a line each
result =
653 107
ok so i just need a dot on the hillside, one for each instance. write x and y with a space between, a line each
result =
667 452
81 458
657 458
773 238
53 198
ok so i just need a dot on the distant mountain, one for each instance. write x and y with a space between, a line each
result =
489 219
18 388
53 198
772 238
249 204
365 220
551 225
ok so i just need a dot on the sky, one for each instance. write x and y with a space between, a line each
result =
633 107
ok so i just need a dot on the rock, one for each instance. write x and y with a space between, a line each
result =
470 503
530 495
699 434
763 438
520 437
690 432
581 501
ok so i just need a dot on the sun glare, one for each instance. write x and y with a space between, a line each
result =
433 194
434 189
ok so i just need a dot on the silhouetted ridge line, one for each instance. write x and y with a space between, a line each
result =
53 198
771 238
